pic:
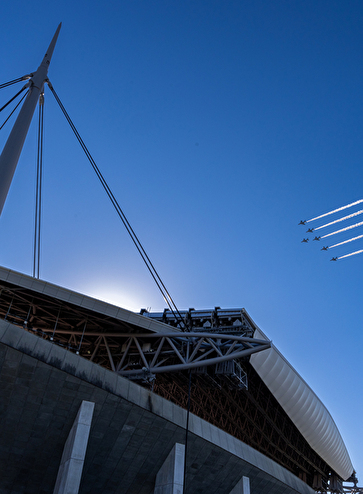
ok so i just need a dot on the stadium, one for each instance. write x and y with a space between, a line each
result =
96 398
252 418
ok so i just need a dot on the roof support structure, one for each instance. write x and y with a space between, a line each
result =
10 155
229 394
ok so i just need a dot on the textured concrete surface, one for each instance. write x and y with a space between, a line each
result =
243 487
74 453
170 477
132 432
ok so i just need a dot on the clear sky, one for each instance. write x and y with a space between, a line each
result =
219 125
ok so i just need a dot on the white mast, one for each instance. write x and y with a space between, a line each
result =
12 149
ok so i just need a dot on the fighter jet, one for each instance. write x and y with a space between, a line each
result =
310 230
317 238
304 240
302 222
325 248
334 259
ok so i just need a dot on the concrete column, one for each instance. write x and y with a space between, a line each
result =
170 478
242 487
74 452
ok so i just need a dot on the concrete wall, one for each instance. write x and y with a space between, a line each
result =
74 452
133 430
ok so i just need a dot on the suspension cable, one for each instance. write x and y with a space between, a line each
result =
167 297
14 81
12 99
38 190
14 109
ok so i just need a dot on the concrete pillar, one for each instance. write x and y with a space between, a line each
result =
242 487
74 452
170 478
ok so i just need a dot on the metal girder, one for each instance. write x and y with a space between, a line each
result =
252 416
121 348
154 353
217 320
133 355
216 351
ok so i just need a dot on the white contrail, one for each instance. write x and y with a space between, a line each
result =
346 241
336 210
343 229
340 219
352 254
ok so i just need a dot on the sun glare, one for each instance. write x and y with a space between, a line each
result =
117 295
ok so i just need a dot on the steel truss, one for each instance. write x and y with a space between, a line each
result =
230 321
120 346
253 416
152 353
219 363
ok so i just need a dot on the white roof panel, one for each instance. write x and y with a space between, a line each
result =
304 408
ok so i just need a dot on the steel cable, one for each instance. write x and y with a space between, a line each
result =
14 109
12 99
167 297
14 81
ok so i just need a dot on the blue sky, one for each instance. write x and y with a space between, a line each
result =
219 125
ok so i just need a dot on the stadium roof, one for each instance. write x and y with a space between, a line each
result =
303 407
300 403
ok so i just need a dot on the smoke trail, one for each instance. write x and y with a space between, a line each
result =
340 219
346 241
343 229
336 210
352 254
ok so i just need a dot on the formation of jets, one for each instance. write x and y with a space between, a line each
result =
306 240
337 220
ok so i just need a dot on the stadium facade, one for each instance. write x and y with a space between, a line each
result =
252 417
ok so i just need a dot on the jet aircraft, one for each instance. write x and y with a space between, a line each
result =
310 230
334 259
302 222
304 240
317 238
325 248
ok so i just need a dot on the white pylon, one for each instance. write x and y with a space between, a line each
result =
10 155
